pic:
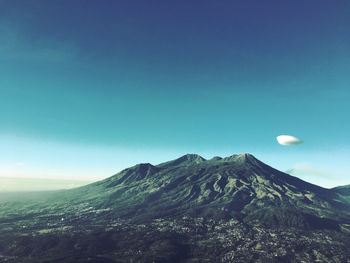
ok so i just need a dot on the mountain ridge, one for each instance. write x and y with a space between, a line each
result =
236 186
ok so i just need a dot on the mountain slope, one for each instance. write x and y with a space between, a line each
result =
237 186
343 190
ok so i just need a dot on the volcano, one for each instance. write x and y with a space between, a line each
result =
236 186
190 209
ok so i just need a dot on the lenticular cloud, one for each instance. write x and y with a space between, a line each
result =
288 140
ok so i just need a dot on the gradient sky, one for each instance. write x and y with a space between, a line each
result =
88 88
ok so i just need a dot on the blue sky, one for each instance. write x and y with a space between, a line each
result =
91 87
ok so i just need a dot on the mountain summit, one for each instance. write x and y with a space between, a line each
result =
187 159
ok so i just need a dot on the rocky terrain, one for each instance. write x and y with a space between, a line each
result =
233 209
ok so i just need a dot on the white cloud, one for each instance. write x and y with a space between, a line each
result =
288 140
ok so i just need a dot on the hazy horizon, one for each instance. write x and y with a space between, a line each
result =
29 183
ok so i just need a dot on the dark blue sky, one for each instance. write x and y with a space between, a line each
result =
213 77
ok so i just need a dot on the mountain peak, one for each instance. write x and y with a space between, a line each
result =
144 167
184 160
216 158
240 157
247 157
190 159
193 157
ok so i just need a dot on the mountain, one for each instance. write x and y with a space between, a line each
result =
236 186
232 209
